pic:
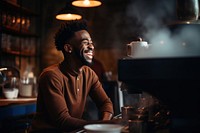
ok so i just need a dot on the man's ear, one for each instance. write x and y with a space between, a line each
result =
68 48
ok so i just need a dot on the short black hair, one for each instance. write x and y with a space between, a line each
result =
67 30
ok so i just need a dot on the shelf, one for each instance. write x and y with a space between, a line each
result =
13 31
18 53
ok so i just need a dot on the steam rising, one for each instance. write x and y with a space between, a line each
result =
183 41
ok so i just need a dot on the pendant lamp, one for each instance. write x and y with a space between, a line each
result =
86 3
68 13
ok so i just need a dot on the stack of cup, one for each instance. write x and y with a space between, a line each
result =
136 118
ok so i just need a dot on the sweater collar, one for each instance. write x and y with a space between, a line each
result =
66 69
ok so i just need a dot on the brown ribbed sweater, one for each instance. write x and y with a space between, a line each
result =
62 96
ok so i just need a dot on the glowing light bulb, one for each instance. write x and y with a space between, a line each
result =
86 2
69 15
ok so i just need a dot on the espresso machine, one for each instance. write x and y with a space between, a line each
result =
173 80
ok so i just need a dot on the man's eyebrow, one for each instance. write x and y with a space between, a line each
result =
86 39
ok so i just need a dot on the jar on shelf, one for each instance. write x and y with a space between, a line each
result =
26 89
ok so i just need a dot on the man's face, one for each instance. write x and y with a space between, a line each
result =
83 46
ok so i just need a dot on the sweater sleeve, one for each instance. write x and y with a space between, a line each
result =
99 96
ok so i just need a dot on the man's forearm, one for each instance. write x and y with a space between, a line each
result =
107 116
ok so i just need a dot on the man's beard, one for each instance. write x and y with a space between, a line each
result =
82 59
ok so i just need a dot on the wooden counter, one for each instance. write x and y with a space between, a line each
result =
20 100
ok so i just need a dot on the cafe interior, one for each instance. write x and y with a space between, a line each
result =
149 51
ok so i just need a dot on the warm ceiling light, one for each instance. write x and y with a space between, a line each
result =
86 3
68 16
68 13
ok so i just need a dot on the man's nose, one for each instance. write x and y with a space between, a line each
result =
91 46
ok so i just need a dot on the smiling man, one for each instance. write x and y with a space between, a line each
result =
63 88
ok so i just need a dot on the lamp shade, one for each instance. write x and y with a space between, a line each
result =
68 13
86 3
